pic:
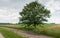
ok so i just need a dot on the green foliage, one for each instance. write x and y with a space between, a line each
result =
34 13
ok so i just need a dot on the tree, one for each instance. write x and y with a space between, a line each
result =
34 13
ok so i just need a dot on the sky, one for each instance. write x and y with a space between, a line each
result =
9 10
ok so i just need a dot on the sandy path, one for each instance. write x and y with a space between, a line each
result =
28 34
1 36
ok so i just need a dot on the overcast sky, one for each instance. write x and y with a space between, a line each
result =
9 10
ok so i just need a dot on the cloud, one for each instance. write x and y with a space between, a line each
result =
9 15
9 10
54 7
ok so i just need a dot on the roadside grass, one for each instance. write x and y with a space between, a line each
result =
53 30
46 29
9 34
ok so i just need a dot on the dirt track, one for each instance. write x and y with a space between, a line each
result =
28 34
1 36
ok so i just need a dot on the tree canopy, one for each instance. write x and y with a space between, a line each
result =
34 13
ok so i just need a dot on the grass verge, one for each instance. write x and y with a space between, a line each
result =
9 34
50 30
46 29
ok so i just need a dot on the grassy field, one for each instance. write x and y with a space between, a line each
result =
53 30
46 29
9 34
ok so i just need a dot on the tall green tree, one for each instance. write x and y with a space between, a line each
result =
34 13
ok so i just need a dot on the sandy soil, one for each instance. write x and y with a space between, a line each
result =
1 36
28 34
